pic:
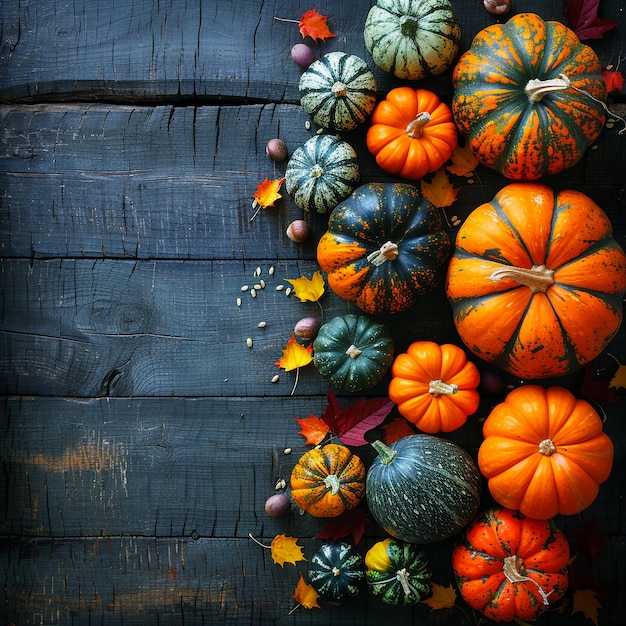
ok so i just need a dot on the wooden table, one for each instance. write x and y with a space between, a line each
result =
140 434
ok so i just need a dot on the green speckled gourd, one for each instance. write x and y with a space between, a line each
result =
338 91
422 488
336 571
321 173
397 572
412 39
353 352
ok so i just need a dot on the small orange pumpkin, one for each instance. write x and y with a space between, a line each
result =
412 133
327 481
544 452
434 386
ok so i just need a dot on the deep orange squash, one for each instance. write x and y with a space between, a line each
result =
434 386
536 281
412 133
544 452
508 566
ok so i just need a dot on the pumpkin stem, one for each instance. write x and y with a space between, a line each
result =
388 252
415 127
536 88
547 447
336 571
353 352
385 453
339 89
332 482
441 388
515 571
537 278
316 171
408 25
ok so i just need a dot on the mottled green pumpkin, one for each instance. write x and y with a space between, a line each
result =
336 571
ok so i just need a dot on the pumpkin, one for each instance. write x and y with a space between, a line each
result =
536 281
397 572
327 481
422 488
321 173
338 91
412 133
434 386
384 247
353 352
528 97
412 40
510 567
544 452
336 571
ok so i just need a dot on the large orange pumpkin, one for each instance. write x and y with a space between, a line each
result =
544 452
536 281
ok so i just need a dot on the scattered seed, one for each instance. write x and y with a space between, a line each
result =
258 287
610 123
594 147
288 291
262 284
226 380
319 131
262 324
456 223
244 288
238 301
455 218
280 287
307 125
253 293
287 451
257 271
249 342
275 378
271 271
281 484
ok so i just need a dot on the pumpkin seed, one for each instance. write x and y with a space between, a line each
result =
258 287
288 291
238 301
249 342
261 324
245 287
257 271
307 125
262 283
271 271
253 292
280 287
281 483
275 378
287 451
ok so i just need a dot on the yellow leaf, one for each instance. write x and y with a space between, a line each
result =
440 191
305 595
295 355
585 602
463 162
308 289
619 378
286 550
442 597
267 192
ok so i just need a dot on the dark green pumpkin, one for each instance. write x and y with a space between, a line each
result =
397 572
422 488
353 352
384 247
336 571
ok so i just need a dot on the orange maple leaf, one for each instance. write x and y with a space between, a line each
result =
305 595
463 162
585 602
441 598
440 191
266 194
313 25
397 428
313 429
308 289
286 550
614 79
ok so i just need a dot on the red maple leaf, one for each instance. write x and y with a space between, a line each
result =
614 80
592 389
313 25
350 522
313 429
582 17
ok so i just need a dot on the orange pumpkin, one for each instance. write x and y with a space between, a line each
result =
412 133
327 481
536 281
544 452
434 386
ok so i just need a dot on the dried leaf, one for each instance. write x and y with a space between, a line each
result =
441 598
585 602
582 18
266 193
592 389
463 162
313 25
440 191
313 429
619 378
305 595
396 429
308 289
350 522
614 80
286 550
295 355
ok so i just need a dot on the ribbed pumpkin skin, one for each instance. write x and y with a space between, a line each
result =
536 548
321 173
336 571
353 352
521 139
559 327
412 39
338 91
428 492
327 481
359 229
544 452
397 572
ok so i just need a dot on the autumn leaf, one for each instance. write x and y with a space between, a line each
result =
266 194
350 522
440 191
313 429
619 378
396 429
582 18
585 602
308 289
441 598
614 80
286 550
463 162
313 25
295 356
305 595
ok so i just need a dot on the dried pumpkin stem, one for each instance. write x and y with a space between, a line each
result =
388 252
415 128
441 388
332 482
536 88
537 278
385 453
547 447
402 576
408 25
515 571
353 352
339 89
316 171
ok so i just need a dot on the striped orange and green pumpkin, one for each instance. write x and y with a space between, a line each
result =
528 97
338 91
384 247
536 281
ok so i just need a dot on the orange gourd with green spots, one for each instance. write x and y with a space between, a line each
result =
384 247
511 567
519 97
